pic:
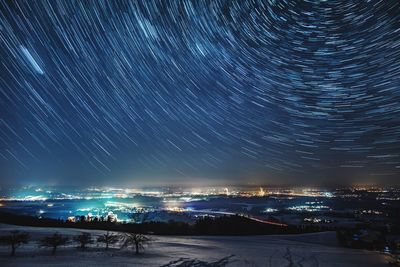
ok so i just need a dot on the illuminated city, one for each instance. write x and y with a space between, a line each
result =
280 204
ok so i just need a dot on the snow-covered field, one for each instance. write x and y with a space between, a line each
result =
317 250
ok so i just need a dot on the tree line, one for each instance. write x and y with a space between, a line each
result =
223 225
135 241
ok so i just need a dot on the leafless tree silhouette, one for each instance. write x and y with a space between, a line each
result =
109 239
54 241
83 239
15 239
137 241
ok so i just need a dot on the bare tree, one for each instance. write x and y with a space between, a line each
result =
137 241
108 239
83 239
15 239
54 241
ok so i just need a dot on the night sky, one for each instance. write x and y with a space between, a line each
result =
129 92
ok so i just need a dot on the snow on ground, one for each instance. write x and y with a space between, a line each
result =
317 250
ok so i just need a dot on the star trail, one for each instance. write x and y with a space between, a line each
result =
238 91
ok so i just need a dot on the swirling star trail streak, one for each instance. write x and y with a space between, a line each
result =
234 91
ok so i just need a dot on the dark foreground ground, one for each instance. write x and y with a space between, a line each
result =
314 249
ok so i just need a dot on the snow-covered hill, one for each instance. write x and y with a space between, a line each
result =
317 250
